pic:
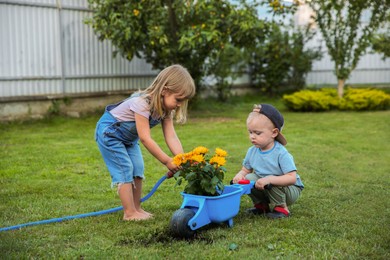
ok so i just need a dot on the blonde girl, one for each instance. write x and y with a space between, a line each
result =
124 124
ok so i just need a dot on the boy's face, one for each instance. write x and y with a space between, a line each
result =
262 132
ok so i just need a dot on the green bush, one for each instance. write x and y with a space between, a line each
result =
280 63
326 99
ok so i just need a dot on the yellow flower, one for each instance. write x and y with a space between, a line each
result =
179 159
136 12
197 158
187 156
220 161
200 150
220 152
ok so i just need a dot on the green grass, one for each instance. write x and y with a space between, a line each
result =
52 168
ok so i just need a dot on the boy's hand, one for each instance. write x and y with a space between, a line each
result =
261 184
239 176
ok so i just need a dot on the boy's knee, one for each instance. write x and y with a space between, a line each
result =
252 177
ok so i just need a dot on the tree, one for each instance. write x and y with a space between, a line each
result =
280 64
347 28
163 32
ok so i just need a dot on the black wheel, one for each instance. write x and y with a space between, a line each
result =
179 223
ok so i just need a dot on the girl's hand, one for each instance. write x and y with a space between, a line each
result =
172 167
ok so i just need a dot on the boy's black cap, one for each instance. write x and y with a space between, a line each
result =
276 118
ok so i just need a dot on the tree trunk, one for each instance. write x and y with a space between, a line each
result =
340 87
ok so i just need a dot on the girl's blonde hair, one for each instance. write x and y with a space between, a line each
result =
175 79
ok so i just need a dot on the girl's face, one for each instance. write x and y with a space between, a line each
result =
262 132
171 100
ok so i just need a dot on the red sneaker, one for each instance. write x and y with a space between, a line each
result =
278 212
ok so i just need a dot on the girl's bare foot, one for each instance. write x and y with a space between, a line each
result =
136 216
145 212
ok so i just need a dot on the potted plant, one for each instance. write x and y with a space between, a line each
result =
204 175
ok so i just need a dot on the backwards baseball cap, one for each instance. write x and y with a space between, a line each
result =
276 118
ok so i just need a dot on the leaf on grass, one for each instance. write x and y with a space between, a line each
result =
233 246
271 247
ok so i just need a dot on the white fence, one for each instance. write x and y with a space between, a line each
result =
371 69
46 49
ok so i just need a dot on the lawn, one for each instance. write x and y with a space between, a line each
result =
52 168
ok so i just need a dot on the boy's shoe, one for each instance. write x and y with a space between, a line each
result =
278 212
259 209
255 211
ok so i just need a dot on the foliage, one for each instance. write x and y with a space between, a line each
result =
381 40
347 28
326 99
215 40
54 109
381 44
204 176
225 69
281 63
191 33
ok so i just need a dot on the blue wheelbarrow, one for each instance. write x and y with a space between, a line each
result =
197 211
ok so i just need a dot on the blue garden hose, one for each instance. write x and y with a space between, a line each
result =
91 214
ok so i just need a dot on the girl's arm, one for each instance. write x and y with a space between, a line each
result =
171 138
143 129
282 180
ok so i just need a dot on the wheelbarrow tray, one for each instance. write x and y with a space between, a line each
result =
216 209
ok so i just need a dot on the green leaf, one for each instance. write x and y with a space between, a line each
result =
233 246
208 168
191 176
214 181
271 247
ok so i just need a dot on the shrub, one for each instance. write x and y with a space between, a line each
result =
326 99
308 100
365 99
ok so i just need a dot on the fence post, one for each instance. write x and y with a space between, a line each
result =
62 51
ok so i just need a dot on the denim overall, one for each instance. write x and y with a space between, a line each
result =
119 146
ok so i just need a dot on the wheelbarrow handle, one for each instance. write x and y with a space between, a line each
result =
267 187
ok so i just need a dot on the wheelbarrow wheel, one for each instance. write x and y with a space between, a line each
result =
179 223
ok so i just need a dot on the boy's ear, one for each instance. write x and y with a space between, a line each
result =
275 132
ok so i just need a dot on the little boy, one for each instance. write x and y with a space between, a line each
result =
269 164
